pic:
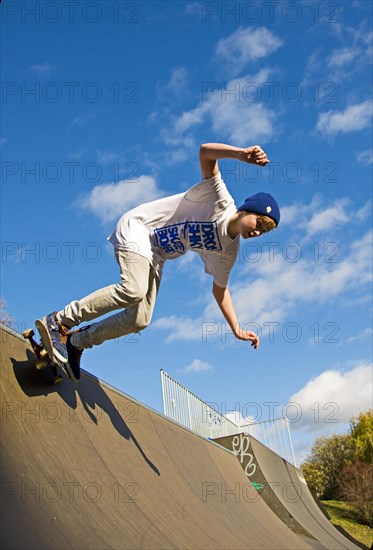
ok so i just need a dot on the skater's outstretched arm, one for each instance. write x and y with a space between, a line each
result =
224 301
210 153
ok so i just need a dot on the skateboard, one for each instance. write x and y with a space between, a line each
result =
44 351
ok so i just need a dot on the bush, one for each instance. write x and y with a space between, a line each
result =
362 436
356 486
327 459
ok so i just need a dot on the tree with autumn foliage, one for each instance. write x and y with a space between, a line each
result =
322 467
356 480
340 466
362 436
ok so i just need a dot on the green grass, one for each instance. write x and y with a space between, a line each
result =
342 513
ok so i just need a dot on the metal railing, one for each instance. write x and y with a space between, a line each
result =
274 434
182 406
190 411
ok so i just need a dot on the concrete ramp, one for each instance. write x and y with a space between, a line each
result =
85 466
284 489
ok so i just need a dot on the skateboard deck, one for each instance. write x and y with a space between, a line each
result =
44 351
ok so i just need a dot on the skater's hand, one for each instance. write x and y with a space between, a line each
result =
254 155
248 336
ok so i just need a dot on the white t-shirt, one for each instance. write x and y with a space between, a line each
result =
196 220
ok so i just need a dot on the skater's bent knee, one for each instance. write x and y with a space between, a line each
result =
130 296
139 318
142 325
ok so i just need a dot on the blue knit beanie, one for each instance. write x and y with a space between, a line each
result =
262 203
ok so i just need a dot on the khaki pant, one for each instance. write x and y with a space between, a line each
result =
136 292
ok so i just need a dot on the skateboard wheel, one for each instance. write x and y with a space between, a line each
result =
28 333
41 364
43 354
57 380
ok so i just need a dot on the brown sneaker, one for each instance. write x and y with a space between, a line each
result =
59 347
63 330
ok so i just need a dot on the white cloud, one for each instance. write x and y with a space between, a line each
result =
244 123
317 216
190 264
198 366
232 108
363 212
175 90
335 215
78 154
366 333
342 63
190 119
299 213
365 157
230 111
342 56
178 80
304 282
81 120
352 119
180 328
107 156
194 8
360 34
42 68
244 45
110 200
333 398
312 66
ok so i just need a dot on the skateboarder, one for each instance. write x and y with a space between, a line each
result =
203 219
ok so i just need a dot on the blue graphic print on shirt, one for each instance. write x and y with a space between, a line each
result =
198 236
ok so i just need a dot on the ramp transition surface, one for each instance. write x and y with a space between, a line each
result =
85 466
284 489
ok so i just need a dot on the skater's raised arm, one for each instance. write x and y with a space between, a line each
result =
224 301
210 153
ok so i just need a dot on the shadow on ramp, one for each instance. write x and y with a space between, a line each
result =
87 467
93 398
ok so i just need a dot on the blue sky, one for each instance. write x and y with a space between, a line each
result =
104 106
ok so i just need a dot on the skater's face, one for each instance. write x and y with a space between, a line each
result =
250 226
